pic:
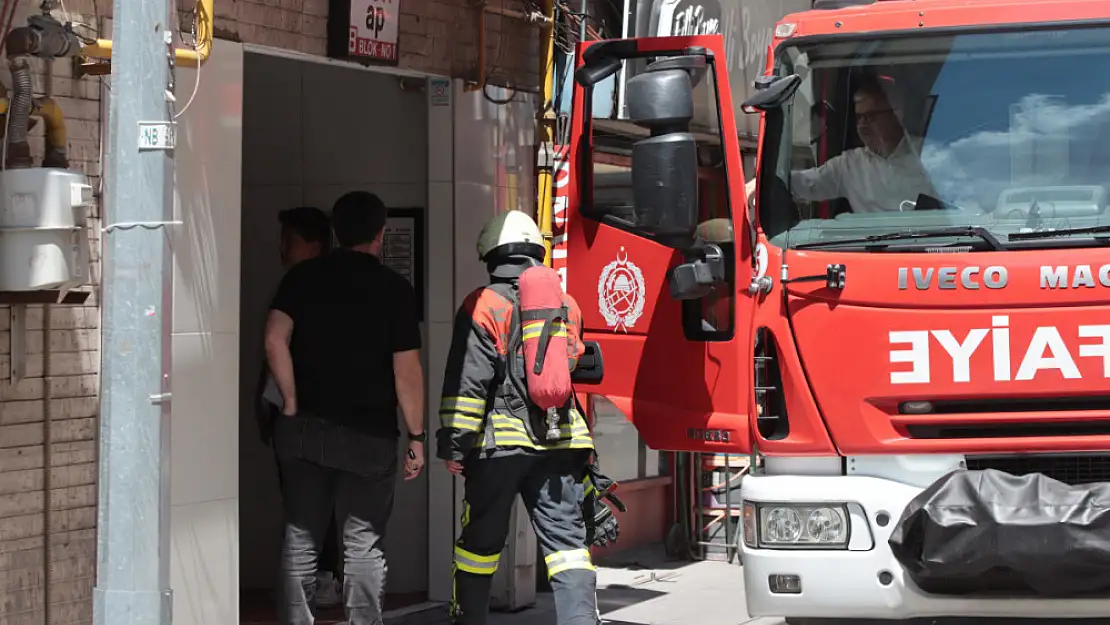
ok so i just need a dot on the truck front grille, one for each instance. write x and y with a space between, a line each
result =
1067 468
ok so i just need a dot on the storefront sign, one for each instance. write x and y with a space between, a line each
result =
363 30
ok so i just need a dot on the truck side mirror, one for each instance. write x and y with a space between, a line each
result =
665 165
772 94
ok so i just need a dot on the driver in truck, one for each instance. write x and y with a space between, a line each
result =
880 175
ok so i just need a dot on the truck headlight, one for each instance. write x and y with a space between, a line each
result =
798 526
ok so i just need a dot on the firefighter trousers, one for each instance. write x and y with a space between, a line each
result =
551 487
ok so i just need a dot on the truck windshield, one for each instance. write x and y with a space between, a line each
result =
1007 132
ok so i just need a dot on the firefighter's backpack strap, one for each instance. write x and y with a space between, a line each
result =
511 386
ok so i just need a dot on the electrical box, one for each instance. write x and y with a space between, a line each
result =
43 243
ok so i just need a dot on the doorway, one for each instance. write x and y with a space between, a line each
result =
312 131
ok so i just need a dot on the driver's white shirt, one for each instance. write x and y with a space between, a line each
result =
870 182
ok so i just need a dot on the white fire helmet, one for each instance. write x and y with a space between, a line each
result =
511 233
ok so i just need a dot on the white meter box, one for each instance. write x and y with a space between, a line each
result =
43 239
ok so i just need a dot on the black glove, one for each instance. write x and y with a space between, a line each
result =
602 526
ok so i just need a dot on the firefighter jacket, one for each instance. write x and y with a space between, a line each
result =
484 410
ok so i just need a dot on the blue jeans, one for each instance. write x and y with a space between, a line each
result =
362 499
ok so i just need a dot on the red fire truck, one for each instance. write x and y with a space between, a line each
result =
908 330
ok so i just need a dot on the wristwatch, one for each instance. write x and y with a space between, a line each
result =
423 436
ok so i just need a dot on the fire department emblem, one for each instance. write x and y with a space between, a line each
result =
620 292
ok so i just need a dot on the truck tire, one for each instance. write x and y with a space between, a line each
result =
675 544
840 621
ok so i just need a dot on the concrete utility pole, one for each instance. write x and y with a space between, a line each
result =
132 582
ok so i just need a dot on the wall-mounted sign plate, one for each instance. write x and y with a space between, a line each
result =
364 31
157 135
403 248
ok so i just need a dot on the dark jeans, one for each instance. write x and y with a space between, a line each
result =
329 554
326 468
268 414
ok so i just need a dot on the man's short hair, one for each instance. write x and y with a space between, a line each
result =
870 84
358 217
309 223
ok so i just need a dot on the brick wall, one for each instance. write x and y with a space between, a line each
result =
48 420
435 36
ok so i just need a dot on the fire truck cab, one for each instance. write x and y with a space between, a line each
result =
908 330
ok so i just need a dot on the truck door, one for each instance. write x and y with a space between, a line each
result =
659 246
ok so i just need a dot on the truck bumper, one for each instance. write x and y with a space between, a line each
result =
866 580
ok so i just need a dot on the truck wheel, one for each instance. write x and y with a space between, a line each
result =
856 621
675 544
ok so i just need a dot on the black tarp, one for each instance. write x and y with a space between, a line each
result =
980 531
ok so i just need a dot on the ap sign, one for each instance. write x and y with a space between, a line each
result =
373 29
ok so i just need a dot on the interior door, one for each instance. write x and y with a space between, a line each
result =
681 371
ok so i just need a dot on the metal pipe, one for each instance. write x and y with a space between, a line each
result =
19 114
185 57
585 10
728 507
528 17
55 132
55 128
481 83
545 151
532 18
132 572
622 80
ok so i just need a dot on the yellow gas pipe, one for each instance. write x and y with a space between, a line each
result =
185 57
54 127
546 149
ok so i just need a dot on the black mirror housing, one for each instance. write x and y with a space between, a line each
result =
661 99
665 186
665 165
693 63
602 60
772 94
696 278
592 73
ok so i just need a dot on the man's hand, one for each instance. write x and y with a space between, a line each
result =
456 468
414 460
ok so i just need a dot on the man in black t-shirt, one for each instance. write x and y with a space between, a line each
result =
343 344
305 234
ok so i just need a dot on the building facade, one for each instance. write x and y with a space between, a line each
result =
270 122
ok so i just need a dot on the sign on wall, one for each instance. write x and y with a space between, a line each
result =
364 30
403 248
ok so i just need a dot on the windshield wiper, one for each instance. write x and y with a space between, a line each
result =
1049 234
964 231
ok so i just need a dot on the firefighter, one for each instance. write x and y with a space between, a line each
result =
495 435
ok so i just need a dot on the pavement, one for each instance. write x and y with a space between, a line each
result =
644 587
641 587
